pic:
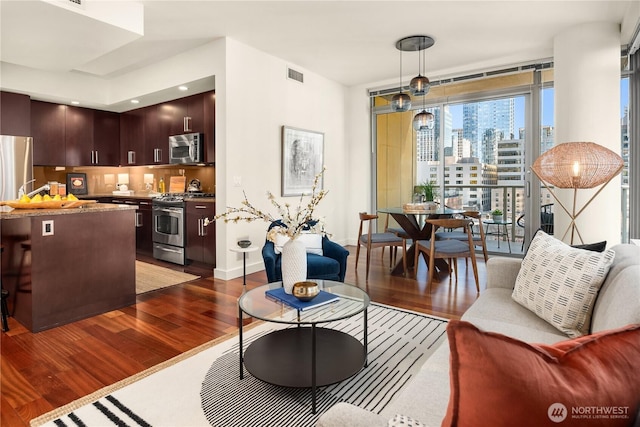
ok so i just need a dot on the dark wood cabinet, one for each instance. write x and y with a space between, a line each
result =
132 137
209 127
106 139
144 227
78 136
48 132
15 114
156 139
201 240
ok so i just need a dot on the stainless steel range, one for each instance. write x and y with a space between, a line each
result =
169 239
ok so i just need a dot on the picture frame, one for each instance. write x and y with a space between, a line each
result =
302 160
77 184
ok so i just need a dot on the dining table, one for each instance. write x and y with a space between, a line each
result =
414 224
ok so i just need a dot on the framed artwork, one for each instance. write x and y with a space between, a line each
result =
77 183
302 160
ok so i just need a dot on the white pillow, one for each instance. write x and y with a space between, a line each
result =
560 283
311 241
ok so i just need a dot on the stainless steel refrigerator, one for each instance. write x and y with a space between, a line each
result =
16 165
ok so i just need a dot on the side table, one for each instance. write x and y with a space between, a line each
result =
244 252
505 230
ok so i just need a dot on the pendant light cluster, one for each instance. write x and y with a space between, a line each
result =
419 85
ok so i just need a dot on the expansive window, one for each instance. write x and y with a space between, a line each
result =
480 147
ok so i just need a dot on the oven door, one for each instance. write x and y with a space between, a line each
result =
168 225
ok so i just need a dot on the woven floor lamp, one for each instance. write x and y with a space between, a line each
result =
577 165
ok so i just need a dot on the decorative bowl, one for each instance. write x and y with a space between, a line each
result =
244 243
305 291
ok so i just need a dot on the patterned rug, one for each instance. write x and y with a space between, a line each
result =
150 277
203 388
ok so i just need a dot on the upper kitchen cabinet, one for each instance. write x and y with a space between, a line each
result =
156 142
78 136
48 132
132 137
106 139
15 114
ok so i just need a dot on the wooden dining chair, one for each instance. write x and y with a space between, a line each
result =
371 240
478 239
405 239
450 249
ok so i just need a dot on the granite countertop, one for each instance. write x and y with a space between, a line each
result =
142 195
96 207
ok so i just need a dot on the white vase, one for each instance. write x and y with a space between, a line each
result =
294 264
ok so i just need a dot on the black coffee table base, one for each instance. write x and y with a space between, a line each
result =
286 357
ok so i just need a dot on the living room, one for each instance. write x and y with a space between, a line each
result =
254 99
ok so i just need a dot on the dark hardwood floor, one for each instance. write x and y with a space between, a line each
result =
40 372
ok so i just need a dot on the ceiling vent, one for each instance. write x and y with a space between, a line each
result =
295 75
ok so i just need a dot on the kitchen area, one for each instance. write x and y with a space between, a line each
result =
144 180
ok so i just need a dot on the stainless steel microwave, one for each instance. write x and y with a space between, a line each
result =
186 148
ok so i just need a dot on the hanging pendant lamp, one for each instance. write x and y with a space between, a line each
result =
422 121
419 85
400 102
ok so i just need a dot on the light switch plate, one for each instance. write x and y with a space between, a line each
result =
47 228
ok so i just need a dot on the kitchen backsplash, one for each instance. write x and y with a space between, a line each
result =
141 179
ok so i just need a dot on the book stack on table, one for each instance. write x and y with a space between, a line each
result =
321 299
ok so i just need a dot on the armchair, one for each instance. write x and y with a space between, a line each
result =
332 265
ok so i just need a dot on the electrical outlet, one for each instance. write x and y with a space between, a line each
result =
47 228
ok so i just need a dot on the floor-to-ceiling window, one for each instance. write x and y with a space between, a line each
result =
479 150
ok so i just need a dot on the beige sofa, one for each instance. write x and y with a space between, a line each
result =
426 398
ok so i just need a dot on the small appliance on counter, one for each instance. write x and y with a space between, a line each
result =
194 186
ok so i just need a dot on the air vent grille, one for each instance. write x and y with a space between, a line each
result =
295 75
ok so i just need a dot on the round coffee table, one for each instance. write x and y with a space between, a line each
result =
305 355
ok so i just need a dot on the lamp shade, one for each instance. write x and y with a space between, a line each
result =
419 85
577 165
423 121
400 102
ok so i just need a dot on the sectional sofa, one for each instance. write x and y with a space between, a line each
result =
426 399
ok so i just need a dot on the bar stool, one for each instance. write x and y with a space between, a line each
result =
26 248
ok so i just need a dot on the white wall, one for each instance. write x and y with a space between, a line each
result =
261 100
587 108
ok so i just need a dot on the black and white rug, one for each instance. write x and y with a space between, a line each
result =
204 388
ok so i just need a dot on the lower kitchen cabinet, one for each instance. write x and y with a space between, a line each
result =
144 227
201 240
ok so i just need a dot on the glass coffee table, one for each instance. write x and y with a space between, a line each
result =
307 355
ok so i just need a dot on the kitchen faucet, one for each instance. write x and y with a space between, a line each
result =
32 193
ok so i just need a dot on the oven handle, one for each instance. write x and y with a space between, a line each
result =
175 251
168 210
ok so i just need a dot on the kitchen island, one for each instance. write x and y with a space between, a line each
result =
64 265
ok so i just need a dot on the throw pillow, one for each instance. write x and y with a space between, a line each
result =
595 247
592 380
312 241
560 283
399 420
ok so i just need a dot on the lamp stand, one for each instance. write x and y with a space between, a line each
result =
573 214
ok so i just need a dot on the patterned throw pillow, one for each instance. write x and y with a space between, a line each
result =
404 421
560 283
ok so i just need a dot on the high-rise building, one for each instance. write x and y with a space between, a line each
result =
478 117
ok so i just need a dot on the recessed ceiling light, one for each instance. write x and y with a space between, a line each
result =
183 88
75 102
135 101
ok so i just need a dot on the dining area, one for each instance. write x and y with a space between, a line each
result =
439 234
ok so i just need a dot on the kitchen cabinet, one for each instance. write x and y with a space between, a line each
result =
132 137
48 132
106 139
144 219
187 115
15 114
156 138
78 136
201 240
144 227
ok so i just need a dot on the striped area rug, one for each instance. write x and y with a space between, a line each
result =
204 389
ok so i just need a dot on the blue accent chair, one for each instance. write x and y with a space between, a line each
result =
330 266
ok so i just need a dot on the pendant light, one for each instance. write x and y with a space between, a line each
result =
419 85
400 102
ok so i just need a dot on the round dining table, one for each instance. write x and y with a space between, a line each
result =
414 223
